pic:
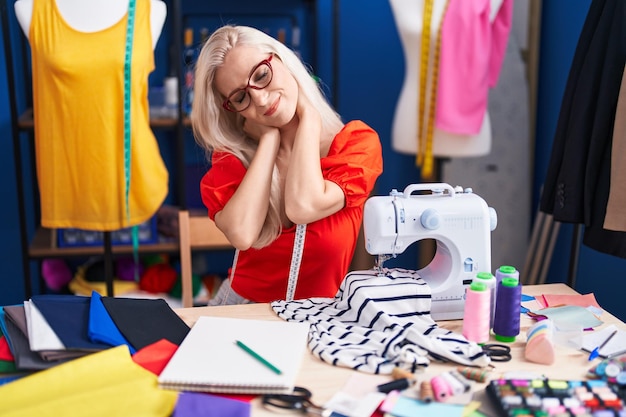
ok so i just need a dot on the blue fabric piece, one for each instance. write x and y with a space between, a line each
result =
68 316
9 378
3 326
101 326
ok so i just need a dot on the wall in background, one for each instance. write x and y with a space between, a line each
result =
369 80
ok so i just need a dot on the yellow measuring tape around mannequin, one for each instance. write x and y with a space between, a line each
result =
426 119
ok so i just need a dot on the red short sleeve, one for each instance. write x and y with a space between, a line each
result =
221 181
354 162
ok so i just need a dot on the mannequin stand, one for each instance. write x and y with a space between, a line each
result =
108 263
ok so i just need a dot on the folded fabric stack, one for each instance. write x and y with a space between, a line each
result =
51 329
74 355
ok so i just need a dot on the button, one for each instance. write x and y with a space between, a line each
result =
612 370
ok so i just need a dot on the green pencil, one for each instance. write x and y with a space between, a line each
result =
258 357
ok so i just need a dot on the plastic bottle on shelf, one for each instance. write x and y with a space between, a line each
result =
204 35
189 57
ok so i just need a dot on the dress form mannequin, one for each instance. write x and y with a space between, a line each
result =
93 15
92 27
408 16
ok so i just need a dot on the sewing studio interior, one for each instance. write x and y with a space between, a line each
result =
347 208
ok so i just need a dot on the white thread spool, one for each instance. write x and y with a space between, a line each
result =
506 271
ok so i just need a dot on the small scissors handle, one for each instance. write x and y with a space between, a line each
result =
298 400
497 352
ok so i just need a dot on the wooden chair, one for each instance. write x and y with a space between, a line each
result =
195 233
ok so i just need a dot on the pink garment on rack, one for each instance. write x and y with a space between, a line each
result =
471 56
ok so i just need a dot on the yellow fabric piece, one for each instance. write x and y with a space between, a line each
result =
78 100
107 383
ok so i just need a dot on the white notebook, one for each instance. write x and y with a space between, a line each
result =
615 344
210 360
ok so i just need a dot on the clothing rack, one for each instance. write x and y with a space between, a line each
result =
17 146
541 249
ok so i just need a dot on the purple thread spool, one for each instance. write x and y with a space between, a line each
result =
506 323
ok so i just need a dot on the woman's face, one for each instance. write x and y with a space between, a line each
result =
243 78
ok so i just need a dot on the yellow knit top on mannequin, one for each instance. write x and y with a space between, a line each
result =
78 93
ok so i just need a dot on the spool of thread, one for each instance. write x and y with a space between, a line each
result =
489 280
426 392
441 388
506 271
399 373
506 323
464 381
396 385
474 374
456 386
476 313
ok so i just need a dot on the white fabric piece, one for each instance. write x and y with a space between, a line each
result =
378 321
41 337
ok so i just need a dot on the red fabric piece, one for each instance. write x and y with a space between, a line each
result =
354 162
154 357
5 352
158 278
581 300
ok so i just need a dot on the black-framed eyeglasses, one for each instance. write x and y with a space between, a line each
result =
260 77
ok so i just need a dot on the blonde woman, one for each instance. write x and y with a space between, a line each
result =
288 179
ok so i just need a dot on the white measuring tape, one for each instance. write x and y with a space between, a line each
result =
296 259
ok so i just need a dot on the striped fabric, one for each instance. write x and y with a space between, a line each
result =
378 321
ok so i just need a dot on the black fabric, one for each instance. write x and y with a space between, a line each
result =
577 181
145 321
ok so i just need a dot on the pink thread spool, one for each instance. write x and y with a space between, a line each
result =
477 313
489 280
441 388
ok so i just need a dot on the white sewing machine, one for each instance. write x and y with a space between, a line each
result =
459 221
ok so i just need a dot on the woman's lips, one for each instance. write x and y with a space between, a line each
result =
272 109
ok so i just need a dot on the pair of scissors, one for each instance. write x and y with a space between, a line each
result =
298 400
497 352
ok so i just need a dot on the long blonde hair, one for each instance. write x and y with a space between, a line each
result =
216 129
